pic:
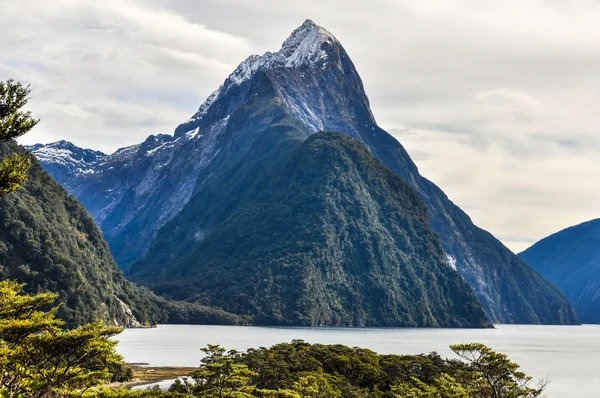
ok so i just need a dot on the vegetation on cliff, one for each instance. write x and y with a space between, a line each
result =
332 237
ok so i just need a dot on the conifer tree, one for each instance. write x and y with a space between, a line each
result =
14 122
39 359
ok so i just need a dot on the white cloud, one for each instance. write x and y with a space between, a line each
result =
502 97
111 72
496 100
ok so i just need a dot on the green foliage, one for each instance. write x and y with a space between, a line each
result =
316 385
220 375
20 315
354 372
181 312
38 358
493 375
50 243
302 370
443 387
13 123
280 393
120 372
325 236
13 173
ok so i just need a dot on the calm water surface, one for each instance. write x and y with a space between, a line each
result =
568 355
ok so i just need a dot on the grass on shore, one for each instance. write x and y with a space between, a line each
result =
150 374
146 375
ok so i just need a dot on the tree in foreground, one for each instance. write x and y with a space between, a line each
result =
220 376
39 359
493 375
445 386
14 122
488 374
316 385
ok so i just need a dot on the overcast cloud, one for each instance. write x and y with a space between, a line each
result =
497 101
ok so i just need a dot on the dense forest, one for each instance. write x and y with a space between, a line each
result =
332 237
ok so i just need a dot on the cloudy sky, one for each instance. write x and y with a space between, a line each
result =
498 102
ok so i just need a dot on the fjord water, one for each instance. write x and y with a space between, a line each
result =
569 356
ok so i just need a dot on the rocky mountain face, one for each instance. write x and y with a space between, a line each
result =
325 236
571 259
308 86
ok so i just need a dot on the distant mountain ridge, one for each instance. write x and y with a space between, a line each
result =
66 161
312 84
571 259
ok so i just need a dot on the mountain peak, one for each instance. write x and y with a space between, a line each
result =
309 45
308 24
305 45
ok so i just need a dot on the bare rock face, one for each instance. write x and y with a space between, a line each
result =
309 85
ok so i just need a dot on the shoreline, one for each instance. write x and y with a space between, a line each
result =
151 374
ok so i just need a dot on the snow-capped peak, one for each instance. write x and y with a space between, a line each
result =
304 47
64 152
307 46
68 156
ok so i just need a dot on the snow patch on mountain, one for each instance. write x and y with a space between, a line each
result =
192 133
125 152
57 155
451 261
77 161
158 148
304 113
305 47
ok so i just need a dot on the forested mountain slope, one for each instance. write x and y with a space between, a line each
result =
327 236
